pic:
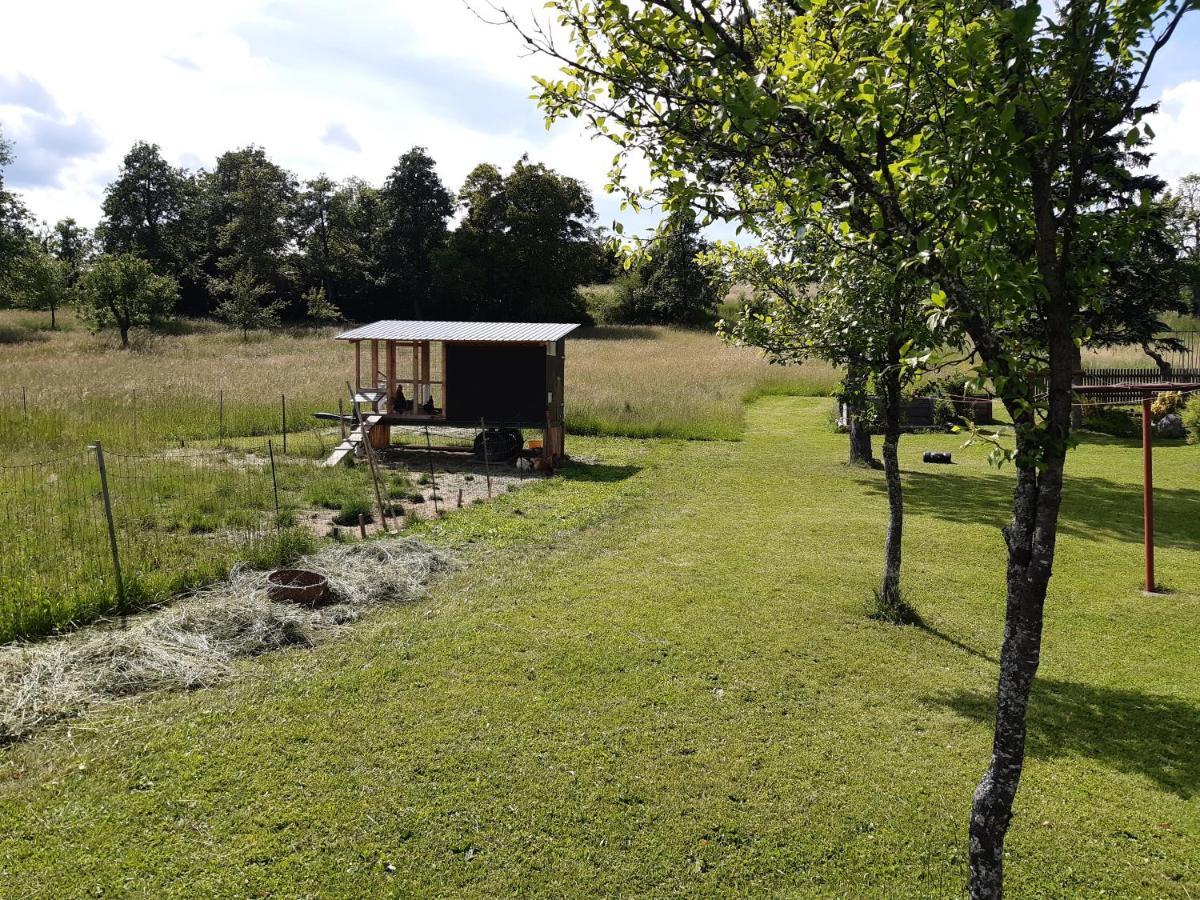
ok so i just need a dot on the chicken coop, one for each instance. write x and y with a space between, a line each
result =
491 376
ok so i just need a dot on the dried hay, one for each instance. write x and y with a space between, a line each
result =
193 642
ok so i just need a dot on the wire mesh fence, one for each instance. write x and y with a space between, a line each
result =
172 520
152 495
35 418
54 553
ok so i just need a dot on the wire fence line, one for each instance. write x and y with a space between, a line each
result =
33 418
96 532
112 525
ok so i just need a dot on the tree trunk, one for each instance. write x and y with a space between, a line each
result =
1030 537
124 330
858 421
861 451
1164 365
53 321
889 592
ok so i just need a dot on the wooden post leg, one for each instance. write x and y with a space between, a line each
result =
1148 492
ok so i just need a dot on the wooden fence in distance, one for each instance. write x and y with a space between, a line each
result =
1148 375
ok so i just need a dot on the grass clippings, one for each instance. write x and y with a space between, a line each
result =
194 643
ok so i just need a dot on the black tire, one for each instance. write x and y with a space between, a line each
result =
503 444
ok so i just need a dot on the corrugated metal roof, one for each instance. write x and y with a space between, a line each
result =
396 330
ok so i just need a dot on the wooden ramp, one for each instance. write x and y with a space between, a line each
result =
354 440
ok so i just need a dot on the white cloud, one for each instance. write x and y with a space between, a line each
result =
309 81
338 135
325 86
1177 131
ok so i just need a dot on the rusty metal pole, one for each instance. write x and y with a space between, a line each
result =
1148 492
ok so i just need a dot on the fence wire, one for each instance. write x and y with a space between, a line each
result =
181 517
55 565
192 491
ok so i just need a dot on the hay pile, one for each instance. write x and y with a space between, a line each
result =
193 642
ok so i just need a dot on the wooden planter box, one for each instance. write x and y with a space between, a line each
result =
977 409
919 412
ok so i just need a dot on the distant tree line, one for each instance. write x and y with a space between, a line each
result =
250 243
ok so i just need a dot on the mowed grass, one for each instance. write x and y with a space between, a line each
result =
655 677
65 389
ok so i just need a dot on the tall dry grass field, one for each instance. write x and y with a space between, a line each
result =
669 382
170 386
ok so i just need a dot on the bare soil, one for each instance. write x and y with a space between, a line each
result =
461 480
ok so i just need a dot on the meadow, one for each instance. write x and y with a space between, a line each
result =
654 675
190 416
64 389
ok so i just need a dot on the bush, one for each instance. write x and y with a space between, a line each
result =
1111 420
1191 418
1166 403
351 510
944 412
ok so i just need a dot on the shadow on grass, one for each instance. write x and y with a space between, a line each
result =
1131 731
596 472
955 642
1093 508
615 333
20 334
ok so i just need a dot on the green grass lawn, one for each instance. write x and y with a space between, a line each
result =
655 677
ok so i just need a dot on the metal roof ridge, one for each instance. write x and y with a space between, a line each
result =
445 330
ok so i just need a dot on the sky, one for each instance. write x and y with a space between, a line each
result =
336 87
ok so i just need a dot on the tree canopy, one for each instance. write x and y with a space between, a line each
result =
14 225
122 291
416 208
669 286
977 150
146 210
525 244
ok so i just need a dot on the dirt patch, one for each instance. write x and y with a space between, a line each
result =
205 457
460 480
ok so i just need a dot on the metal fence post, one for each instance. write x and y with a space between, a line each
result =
274 481
98 448
487 462
432 476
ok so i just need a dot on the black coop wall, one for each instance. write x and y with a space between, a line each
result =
502 384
